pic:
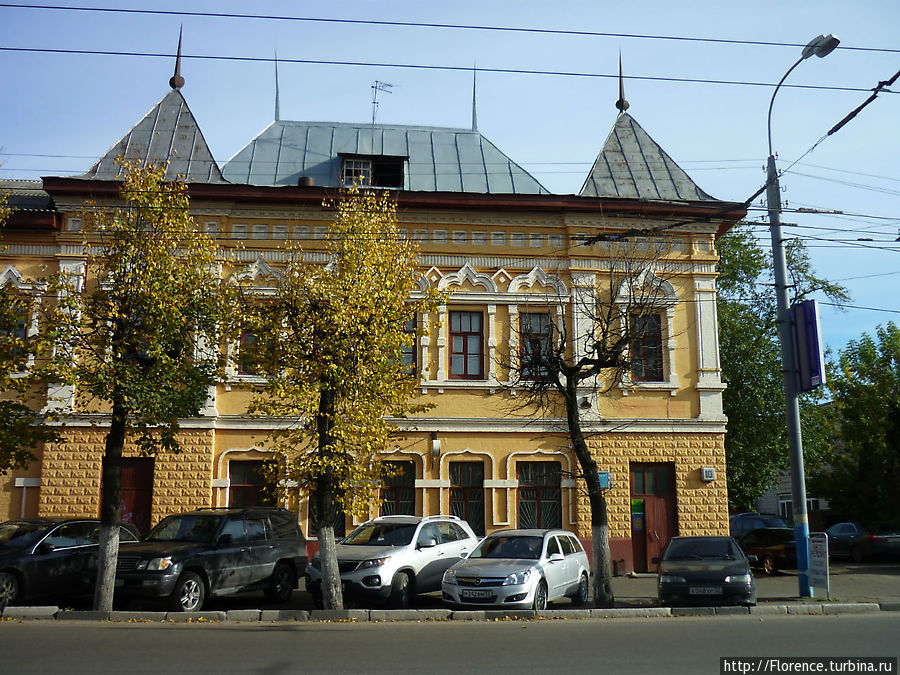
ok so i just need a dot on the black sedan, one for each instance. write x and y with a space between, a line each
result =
705 571
44 558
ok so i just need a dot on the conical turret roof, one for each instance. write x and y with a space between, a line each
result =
168 133
633 166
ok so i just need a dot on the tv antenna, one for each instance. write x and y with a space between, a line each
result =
379 86
384 87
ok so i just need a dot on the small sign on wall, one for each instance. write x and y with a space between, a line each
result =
606 479
708 474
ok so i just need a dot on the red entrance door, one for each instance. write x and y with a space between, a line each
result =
653 520
137 491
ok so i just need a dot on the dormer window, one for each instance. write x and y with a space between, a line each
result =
373 170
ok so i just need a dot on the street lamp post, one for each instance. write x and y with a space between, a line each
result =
820 46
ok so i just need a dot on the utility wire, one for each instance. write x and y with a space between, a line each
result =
419 24
419 66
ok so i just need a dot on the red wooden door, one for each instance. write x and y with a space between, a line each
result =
137 491
653 511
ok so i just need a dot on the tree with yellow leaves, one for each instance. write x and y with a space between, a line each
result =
21 428
330 345
126 331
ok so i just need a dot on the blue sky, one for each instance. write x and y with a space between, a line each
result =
59 112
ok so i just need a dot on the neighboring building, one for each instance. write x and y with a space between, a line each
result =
511 254
778 499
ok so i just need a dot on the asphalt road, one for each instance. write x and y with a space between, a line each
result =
622 646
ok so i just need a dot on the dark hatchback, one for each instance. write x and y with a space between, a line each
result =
775 548
49 558
214 552
705 571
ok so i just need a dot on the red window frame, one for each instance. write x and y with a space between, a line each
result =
534 336
398 492
646 348
467 498
540 483
466 344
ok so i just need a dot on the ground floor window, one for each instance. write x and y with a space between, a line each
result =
398 491
467 493
540 494
251 483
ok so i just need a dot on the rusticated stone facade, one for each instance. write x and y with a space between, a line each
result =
70 484
702 506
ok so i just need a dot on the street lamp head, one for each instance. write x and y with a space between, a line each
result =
821 46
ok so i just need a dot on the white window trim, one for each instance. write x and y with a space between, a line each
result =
664 303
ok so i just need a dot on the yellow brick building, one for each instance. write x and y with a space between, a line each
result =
506 249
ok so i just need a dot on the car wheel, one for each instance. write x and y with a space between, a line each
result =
401 591
856 554
189 593
768 565
580 599
540 597
281 584
9 589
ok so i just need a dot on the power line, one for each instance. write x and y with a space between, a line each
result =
421 66
872 309
419 24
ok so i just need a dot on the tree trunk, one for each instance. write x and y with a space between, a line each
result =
602 591
110 511
332 595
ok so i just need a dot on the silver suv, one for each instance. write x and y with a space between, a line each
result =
392 558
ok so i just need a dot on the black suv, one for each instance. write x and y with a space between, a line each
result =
213 552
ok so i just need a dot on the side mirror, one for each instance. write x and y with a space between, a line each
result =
557 557
655 561
225 540
431 542
45 548
752 558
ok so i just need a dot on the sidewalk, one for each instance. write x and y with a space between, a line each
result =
848 583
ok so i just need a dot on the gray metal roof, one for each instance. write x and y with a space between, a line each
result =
437 159
25 195
170 133
633 166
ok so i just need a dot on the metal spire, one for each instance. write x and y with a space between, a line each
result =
621 104
177 81
474 112
277 96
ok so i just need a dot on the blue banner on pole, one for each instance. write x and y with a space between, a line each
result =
808 345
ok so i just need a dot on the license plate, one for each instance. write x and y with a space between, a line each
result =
705 590
470 593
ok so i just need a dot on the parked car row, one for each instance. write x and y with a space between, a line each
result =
190 557
392 558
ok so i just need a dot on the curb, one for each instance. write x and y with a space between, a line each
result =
49 613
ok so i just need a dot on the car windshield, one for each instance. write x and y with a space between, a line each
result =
20 533
522 547
200 529
381 534
700 549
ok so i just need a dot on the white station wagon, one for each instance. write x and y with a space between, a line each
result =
520 569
